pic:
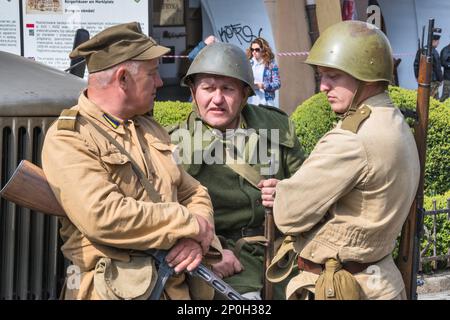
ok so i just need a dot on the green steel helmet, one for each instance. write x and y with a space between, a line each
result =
355 47
223 59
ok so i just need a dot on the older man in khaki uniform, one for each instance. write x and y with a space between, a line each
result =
345 207
110 166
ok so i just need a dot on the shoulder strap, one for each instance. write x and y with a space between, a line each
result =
353 121
67 120
153 194
247 172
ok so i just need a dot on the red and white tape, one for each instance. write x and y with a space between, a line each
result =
175 57
295 54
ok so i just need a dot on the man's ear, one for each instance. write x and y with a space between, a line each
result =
247 93
192 89
122 77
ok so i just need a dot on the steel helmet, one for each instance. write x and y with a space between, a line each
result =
223 59
355 47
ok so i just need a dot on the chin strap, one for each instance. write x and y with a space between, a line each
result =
354 104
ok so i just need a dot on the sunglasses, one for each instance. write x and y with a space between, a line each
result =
255 49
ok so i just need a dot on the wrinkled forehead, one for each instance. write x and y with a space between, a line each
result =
206 78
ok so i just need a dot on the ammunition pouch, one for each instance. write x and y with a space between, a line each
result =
336 283
118 280
284 261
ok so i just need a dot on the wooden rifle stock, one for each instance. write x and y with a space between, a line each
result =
28 187
269 233
409 250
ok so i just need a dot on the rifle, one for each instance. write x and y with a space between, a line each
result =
269 234
409 250
28 187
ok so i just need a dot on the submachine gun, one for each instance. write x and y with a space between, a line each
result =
28 187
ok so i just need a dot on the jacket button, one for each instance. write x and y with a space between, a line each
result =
330 292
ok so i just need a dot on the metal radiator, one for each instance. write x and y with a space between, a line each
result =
31 265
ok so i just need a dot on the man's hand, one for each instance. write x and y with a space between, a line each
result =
229 265
185 254
209 40
268 191
205 234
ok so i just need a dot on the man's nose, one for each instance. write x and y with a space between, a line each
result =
324 85
218 97
158 81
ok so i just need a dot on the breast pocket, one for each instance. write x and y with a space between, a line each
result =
121 172
164 162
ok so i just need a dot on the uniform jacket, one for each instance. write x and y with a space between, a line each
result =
237 203
110 213
436 74
445 61
351 197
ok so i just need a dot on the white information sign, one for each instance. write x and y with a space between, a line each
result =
50 25
10 26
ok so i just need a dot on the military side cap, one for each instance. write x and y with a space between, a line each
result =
118 44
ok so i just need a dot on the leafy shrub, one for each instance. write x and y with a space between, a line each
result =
437 177
171 112
314 118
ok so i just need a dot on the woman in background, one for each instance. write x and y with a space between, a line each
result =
265 72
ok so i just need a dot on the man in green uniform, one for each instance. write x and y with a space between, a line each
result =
232 148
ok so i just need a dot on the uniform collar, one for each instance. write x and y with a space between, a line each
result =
95 112
242 122
381 99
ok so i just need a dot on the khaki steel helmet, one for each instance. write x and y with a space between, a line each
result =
355 47
223 59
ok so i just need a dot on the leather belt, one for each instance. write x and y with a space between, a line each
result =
351 266
244 232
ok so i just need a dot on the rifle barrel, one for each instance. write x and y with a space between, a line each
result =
409 250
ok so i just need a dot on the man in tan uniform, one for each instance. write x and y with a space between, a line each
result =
344 208
111 168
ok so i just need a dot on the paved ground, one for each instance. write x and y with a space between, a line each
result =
444 295
435 287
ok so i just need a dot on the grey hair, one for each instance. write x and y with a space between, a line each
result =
103 78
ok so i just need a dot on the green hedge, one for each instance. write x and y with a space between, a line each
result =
437 177
171 112
314 118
